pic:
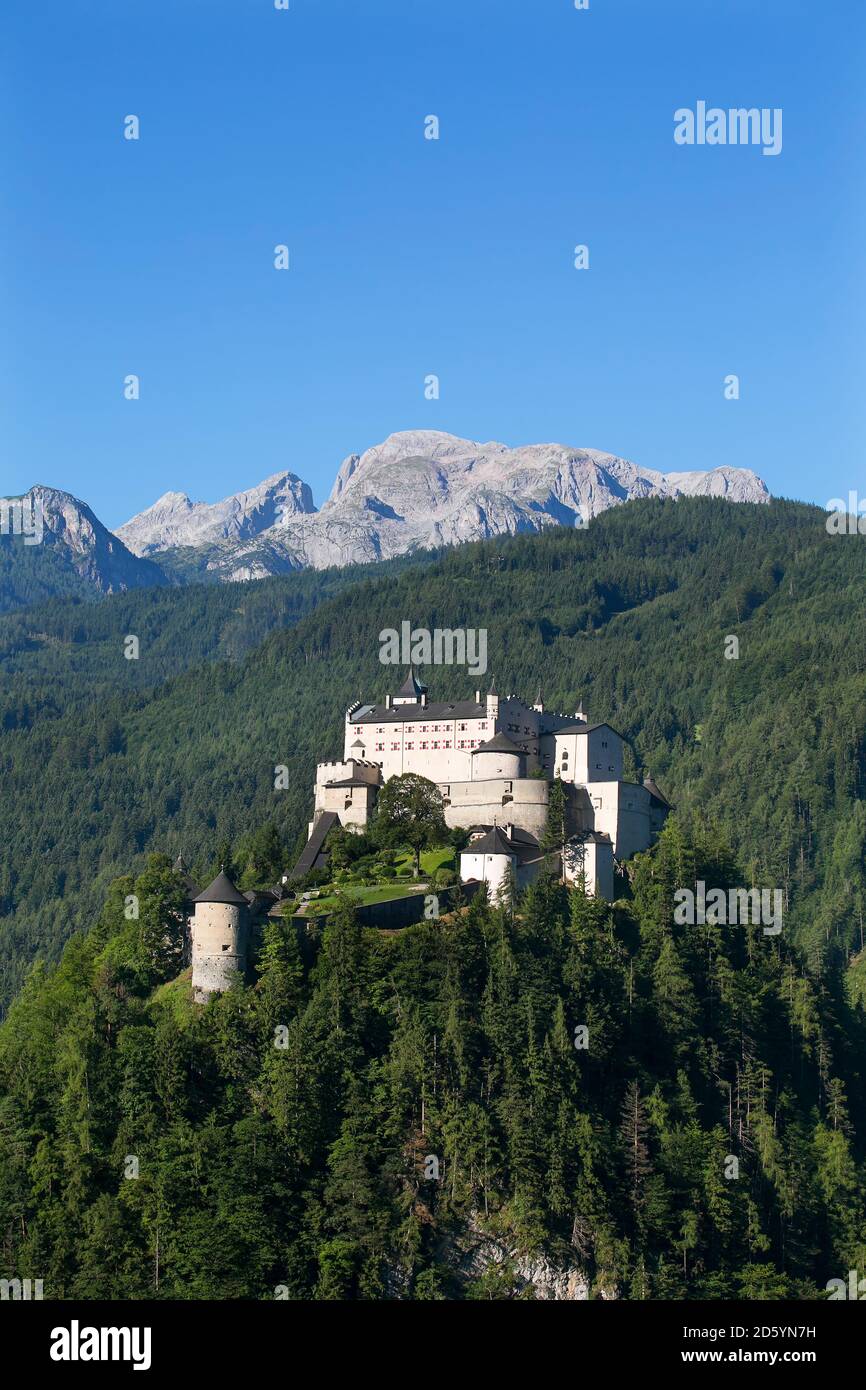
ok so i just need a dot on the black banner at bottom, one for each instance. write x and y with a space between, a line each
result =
86 1339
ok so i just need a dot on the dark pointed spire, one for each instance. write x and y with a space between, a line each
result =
411 687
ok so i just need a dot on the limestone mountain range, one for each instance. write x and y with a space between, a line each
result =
419 489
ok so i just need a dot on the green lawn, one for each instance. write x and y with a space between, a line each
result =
361 894
364 893
431 860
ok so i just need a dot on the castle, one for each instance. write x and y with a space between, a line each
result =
494 760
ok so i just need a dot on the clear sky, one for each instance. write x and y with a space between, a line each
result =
412 256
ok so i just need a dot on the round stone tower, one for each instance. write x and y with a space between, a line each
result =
219 937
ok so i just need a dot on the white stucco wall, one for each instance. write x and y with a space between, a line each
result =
492 869
621 810
523 801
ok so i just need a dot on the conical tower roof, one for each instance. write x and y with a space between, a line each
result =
222 890
500 743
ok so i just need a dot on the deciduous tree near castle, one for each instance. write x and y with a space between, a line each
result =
411 811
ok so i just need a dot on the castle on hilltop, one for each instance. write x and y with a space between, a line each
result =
493 759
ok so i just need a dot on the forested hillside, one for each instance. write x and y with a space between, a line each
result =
105 759
410 1116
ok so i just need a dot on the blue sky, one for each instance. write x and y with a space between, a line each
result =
411 256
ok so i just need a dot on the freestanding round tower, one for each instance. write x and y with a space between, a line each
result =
219 937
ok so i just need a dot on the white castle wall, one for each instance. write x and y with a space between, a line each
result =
523 801
492 869
595 861
622 811
493 788
431 747
590 757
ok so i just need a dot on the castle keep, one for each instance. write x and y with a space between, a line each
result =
493 759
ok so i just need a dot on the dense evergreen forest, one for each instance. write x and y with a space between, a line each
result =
662 1111
105 759
279 1141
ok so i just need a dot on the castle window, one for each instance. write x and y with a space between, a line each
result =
461 727
380 747
395 747
604 745
410 745
423 743
435 743
225 948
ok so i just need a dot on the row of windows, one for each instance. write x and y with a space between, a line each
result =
429 743
429 728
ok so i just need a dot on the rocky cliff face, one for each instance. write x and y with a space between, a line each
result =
418 489
174 520
475 1253
65 526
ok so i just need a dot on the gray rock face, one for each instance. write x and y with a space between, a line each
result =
80 541
174 520
474 1251
419 489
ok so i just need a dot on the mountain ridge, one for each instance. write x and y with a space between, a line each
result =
69 552
417 489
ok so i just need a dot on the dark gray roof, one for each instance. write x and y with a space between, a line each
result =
411 686
222 890
654 791
350 782
411 714
494 842
519 842
500 743
314 846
